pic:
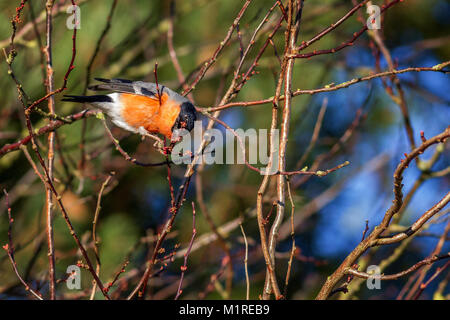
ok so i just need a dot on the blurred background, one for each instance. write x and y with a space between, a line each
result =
333 209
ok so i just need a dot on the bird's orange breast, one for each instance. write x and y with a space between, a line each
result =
149 113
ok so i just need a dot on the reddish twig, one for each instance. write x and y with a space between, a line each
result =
345 44
423 286
46 129
9 248
155 72
365 230
51 149
216 53
94 232
173 53
142 285
186 255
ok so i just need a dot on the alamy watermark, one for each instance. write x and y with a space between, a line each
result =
374 281
74 20
73 281
373 21
228 147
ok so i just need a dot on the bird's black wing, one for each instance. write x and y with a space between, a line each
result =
127 86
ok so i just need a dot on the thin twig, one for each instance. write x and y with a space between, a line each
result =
94 230
247 280
395 276
9 248
186 255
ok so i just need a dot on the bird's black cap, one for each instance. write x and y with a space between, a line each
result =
186 117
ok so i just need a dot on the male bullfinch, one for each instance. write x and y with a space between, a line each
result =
141 107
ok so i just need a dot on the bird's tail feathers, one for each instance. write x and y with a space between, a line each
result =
88 99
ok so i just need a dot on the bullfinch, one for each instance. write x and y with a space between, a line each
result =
141 107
